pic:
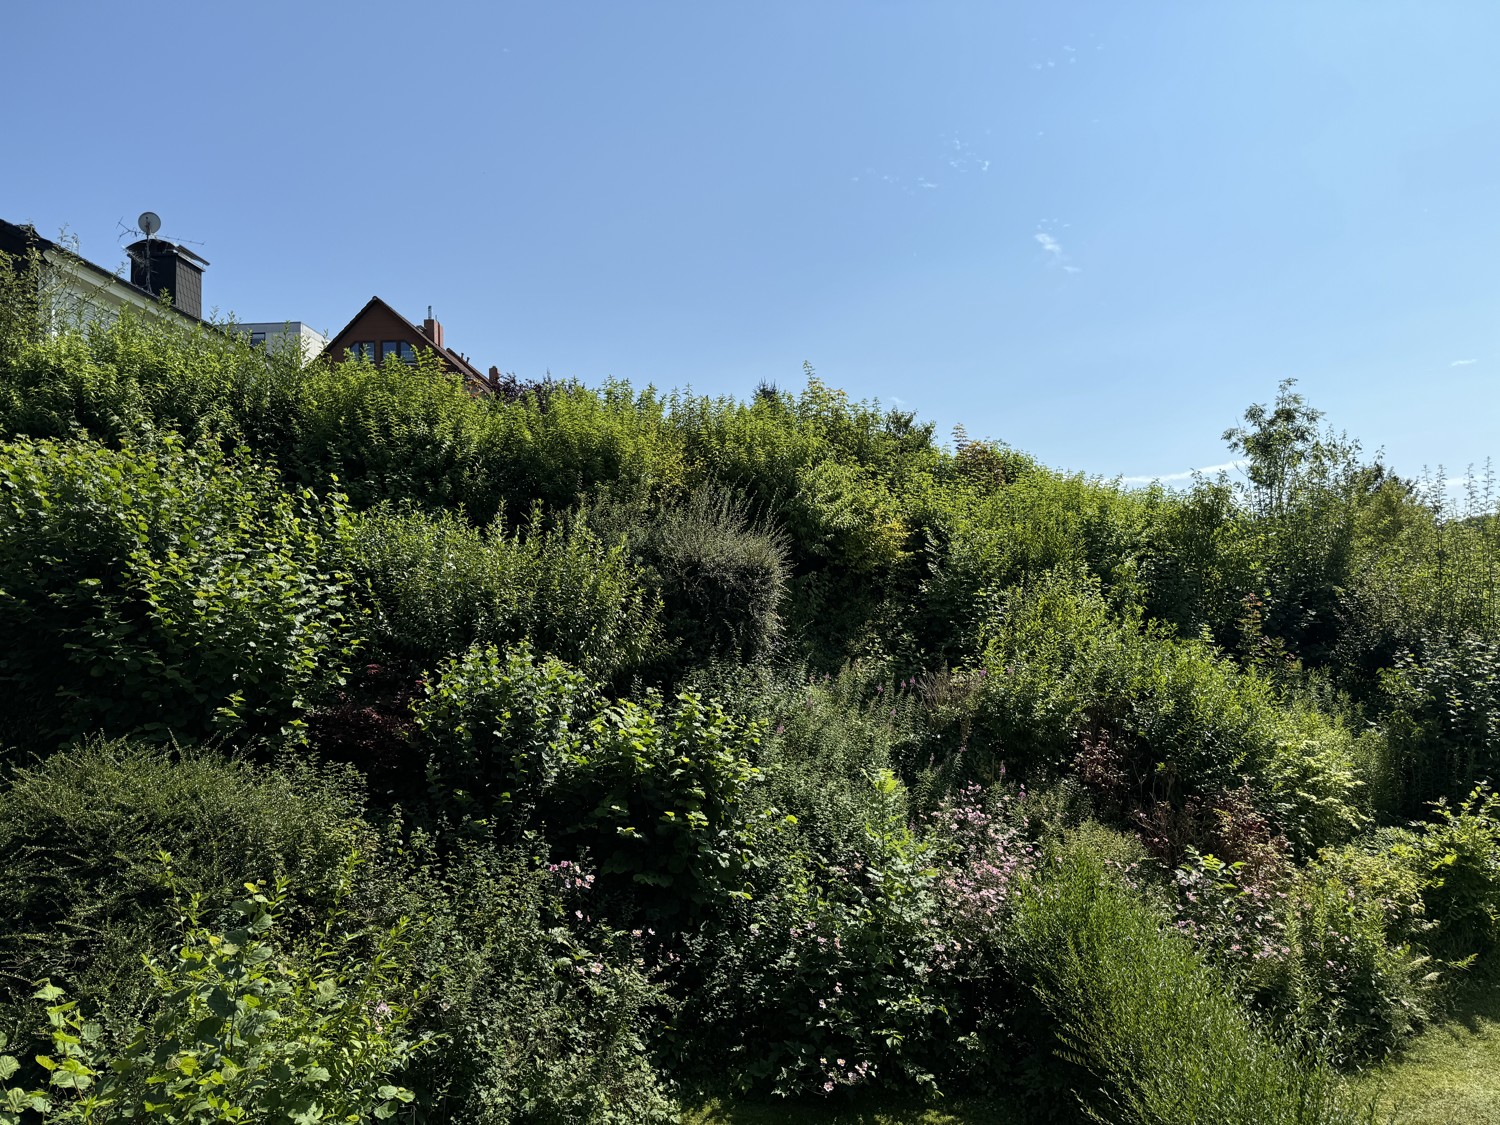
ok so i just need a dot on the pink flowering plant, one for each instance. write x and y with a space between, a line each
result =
986 855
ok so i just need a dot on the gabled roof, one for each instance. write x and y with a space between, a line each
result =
337 344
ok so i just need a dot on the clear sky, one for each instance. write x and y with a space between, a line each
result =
1094 229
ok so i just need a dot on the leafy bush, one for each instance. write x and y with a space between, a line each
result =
136 375
80 833
162 590
242 1028
434 586
825 738
539 1017
658 792
390 432
1148 718
831 976
664 792
1443 713
1457 858
558 447
499 730
1325 951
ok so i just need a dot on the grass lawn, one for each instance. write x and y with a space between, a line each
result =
744 1113
1450 1075
965 1113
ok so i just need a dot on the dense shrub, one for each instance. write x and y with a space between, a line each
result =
162 590
1324 952
556 448
1148 717
720 580
389 432
434 586
498 731
826 736
1456 858
1443 712
659 793
241 1026
832 976
80 835
540 1018
136 375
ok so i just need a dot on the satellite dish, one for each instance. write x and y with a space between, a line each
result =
149 222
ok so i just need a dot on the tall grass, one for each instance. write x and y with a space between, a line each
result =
1152 1026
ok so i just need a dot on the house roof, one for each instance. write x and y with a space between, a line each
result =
18 240
458 362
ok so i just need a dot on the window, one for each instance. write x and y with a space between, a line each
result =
257 339
362 349
398 349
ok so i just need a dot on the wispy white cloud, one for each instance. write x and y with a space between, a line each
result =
1463 362
1057 257
1170 478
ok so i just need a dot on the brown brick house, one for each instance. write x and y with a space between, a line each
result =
382 335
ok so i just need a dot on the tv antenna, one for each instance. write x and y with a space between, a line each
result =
150 223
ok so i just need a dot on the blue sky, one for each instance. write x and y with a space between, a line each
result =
1094 230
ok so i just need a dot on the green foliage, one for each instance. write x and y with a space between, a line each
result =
80 832
1149 717
721 580
1038 522
540 1019
1148 1021
658 792
827 736
560 447
244 1028
832 976
499 730
664 794
434 586
163 590
842 482
1443 712
1457 858
136 375
389 432
1346 986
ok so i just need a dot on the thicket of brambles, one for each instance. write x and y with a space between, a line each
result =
372 750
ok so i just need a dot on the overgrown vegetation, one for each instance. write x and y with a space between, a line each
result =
372 750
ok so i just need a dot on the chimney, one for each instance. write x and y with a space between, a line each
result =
433 330
156 264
